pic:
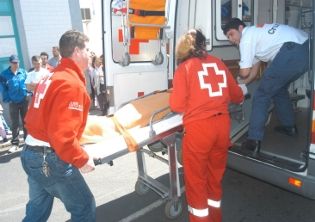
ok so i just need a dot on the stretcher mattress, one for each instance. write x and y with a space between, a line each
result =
134 114
115 146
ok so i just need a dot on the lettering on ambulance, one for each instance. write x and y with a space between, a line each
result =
217 79
41 90
273 29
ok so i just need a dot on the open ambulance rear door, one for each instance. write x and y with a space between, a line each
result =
136 36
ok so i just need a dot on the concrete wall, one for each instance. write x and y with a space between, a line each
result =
42 22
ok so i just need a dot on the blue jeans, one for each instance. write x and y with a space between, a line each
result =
290 63
17 111
6 127
64 182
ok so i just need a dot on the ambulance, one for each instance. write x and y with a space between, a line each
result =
139 39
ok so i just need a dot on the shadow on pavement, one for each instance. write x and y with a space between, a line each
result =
5 156
139 208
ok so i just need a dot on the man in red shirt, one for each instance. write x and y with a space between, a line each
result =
203 87
52 156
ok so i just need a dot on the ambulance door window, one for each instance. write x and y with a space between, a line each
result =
227 9
129 40
202 18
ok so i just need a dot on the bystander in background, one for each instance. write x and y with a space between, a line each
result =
54 61
13 88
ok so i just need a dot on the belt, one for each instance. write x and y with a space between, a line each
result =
40 149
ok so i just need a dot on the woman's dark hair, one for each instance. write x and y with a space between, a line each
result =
93 61
233 23
191 44
71 39
200 44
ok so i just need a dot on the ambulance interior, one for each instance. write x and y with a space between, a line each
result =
277 149
287 152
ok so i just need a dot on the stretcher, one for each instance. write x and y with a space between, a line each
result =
164 133
143 20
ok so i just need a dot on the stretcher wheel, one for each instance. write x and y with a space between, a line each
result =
158 60
157 146
173 209
141 188
125 59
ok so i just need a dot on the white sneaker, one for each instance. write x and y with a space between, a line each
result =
14 149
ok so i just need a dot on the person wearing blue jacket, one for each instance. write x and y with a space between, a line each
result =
14 92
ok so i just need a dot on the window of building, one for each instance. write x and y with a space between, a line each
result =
86 14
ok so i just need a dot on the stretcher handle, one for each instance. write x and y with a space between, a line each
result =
98 161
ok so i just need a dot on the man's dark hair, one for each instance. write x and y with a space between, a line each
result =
36 58
233 23
71 39
44 54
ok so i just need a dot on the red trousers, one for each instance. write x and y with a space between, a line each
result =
205 146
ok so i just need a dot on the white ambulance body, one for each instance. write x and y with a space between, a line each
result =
135 66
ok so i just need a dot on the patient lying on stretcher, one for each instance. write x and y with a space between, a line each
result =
135 114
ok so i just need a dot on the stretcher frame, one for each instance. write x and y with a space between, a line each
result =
126 23
168 131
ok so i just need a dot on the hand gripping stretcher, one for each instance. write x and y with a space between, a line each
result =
163 135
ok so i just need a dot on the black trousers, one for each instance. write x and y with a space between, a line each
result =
17 110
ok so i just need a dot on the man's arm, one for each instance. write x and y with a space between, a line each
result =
65 122
249 74
178 96
4 89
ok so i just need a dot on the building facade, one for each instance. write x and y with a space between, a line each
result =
29 27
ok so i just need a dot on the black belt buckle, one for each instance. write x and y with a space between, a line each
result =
40 149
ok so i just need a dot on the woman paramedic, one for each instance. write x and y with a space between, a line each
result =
203 87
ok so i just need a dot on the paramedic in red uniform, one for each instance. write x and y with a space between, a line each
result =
52 157
203 87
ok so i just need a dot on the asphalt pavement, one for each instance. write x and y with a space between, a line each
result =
245 199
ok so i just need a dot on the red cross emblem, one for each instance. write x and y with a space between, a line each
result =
216 79
41 90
